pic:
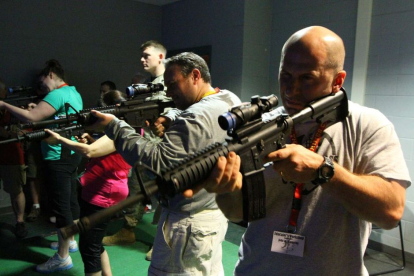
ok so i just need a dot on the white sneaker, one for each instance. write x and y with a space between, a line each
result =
73 246
55 263
148 256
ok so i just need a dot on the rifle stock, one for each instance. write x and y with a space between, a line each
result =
252 142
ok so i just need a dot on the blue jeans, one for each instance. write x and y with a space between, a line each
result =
61 183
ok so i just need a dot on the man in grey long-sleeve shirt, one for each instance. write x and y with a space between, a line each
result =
191 230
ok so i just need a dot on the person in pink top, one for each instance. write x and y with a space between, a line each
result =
104 183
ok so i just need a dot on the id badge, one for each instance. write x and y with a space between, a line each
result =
287 243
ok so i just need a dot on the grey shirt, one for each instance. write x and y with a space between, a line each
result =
364 143
192 130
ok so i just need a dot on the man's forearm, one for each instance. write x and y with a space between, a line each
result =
127 142
370 198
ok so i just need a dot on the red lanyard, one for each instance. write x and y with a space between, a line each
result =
60 86
297 196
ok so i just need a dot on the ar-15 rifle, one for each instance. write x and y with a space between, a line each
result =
73 130
21 96
252 140
135 112
21 100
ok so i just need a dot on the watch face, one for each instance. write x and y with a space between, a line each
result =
327 171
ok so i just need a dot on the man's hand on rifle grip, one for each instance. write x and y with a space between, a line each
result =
160 125
85 138
295 163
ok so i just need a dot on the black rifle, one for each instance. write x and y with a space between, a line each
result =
23 101
252 140
37 135
135 112
21 96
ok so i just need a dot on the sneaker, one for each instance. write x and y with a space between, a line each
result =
20 230
55 263
148 257
149 209
33 215
73 246
123 236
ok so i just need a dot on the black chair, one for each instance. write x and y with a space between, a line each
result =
402 254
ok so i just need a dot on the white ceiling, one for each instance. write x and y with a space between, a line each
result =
158 2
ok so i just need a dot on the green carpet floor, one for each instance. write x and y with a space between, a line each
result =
19 257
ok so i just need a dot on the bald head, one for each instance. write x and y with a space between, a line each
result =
311 67
319 42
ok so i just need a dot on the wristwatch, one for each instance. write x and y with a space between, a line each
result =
325 172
